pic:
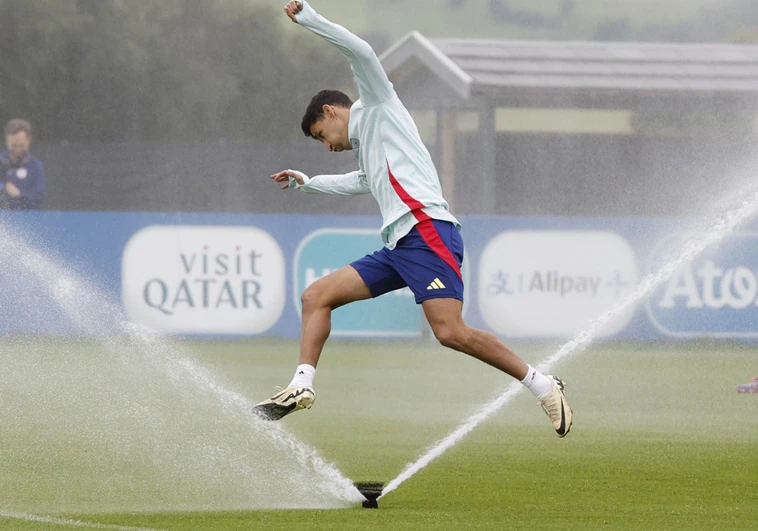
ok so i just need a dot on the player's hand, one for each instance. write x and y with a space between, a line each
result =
292 9
284 177
12 189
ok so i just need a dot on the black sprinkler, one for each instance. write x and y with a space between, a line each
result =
371 491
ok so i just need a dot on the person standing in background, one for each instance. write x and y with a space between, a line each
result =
22 176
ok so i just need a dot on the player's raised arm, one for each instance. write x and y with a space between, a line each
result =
373 84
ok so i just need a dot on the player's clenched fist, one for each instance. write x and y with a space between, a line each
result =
292 9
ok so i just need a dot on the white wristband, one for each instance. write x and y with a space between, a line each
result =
293 182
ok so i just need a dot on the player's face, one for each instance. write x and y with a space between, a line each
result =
331 130
18 145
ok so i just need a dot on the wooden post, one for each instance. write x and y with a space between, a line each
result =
447 129
487 179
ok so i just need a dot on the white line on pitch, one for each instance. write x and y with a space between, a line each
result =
65 521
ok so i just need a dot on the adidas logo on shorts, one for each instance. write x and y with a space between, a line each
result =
436 284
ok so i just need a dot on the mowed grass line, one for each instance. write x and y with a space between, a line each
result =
661 439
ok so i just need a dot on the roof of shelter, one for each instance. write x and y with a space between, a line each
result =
470 66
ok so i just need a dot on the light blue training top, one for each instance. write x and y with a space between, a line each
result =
394 165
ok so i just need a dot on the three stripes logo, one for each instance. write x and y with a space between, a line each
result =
436 284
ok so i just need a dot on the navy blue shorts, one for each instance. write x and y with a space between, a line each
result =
427 260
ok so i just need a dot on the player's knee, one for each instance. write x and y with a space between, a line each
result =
449 336
312 297
317 295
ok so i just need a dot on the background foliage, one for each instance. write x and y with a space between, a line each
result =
178 69
237 69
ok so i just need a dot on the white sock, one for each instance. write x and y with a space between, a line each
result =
304 375
539 384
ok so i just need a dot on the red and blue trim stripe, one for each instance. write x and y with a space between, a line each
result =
424 226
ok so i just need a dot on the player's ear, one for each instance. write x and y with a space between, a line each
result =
329 111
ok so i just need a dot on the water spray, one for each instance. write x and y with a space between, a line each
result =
721 227
237 468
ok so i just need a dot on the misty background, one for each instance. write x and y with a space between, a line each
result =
189 105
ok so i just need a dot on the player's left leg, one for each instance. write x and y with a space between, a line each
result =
445 318
429 260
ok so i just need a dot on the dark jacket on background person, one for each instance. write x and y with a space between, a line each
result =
28 175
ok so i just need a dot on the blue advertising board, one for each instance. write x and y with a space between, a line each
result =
714 295
243 274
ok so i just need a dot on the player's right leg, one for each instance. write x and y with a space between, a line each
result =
318 300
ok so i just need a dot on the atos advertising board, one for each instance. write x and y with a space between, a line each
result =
546 283
203 279
716 294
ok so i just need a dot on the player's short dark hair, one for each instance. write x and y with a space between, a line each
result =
16 126
315 110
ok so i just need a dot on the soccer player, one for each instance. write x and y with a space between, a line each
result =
422 249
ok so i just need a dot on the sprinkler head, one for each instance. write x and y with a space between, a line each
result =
371 491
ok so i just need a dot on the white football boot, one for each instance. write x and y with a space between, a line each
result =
284 402
557 408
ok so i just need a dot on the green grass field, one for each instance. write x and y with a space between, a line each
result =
661 440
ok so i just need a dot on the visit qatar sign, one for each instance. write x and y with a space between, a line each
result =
203 279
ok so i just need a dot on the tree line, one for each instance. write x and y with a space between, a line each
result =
735 22
127 70
91 70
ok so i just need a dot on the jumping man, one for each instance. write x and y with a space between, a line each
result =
422 242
